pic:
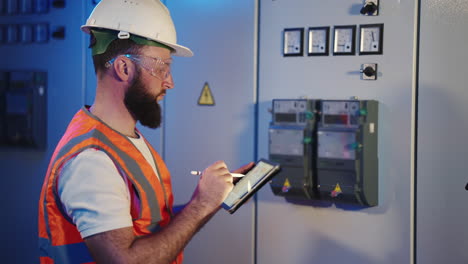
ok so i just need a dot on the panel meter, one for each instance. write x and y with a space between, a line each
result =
344 39
291 144
371 39
347 163
293 39
327 150
318 41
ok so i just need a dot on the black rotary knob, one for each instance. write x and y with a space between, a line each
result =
369 71
369 8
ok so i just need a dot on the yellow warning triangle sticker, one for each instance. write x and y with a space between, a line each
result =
286 186
337 188
337 191
286 183
206 97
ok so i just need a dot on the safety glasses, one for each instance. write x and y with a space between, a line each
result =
154 65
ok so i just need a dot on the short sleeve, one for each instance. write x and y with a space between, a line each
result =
94 194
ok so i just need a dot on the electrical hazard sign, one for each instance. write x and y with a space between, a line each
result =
286 186
206 97
337 191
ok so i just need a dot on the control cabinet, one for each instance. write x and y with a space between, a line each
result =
23 109
327 150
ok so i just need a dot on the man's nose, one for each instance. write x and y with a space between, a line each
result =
169 82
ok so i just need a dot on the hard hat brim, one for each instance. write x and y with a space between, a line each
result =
179 50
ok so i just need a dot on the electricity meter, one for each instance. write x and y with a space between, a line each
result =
291 144
347 163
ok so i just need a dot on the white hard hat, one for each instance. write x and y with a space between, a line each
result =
145 18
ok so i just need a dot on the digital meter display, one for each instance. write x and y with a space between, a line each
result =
340 113
336 119
285 117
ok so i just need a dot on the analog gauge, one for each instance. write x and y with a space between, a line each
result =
318 41
371 40
292 42
344 39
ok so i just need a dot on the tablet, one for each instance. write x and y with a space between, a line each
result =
260 174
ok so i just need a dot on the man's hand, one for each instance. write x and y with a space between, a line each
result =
213 187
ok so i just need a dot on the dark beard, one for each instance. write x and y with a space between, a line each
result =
142 105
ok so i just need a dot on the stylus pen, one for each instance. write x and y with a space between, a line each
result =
235 175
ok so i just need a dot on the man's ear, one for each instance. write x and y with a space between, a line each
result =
124 69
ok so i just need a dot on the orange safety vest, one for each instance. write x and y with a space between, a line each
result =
151 203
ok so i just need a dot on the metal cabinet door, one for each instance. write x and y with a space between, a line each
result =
442 162
221 34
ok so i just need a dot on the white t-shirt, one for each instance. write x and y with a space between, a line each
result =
93 192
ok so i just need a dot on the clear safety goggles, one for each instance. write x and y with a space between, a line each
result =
154 65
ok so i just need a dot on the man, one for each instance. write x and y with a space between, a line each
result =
107 195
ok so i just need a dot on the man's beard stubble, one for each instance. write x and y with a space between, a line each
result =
143 106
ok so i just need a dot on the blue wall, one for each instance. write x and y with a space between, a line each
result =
22 170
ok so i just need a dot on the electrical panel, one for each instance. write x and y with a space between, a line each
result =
21 7
30 31
327 149
23 109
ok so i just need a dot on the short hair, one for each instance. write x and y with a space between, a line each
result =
115 48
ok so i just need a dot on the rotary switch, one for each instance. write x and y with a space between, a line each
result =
370 8
369 71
